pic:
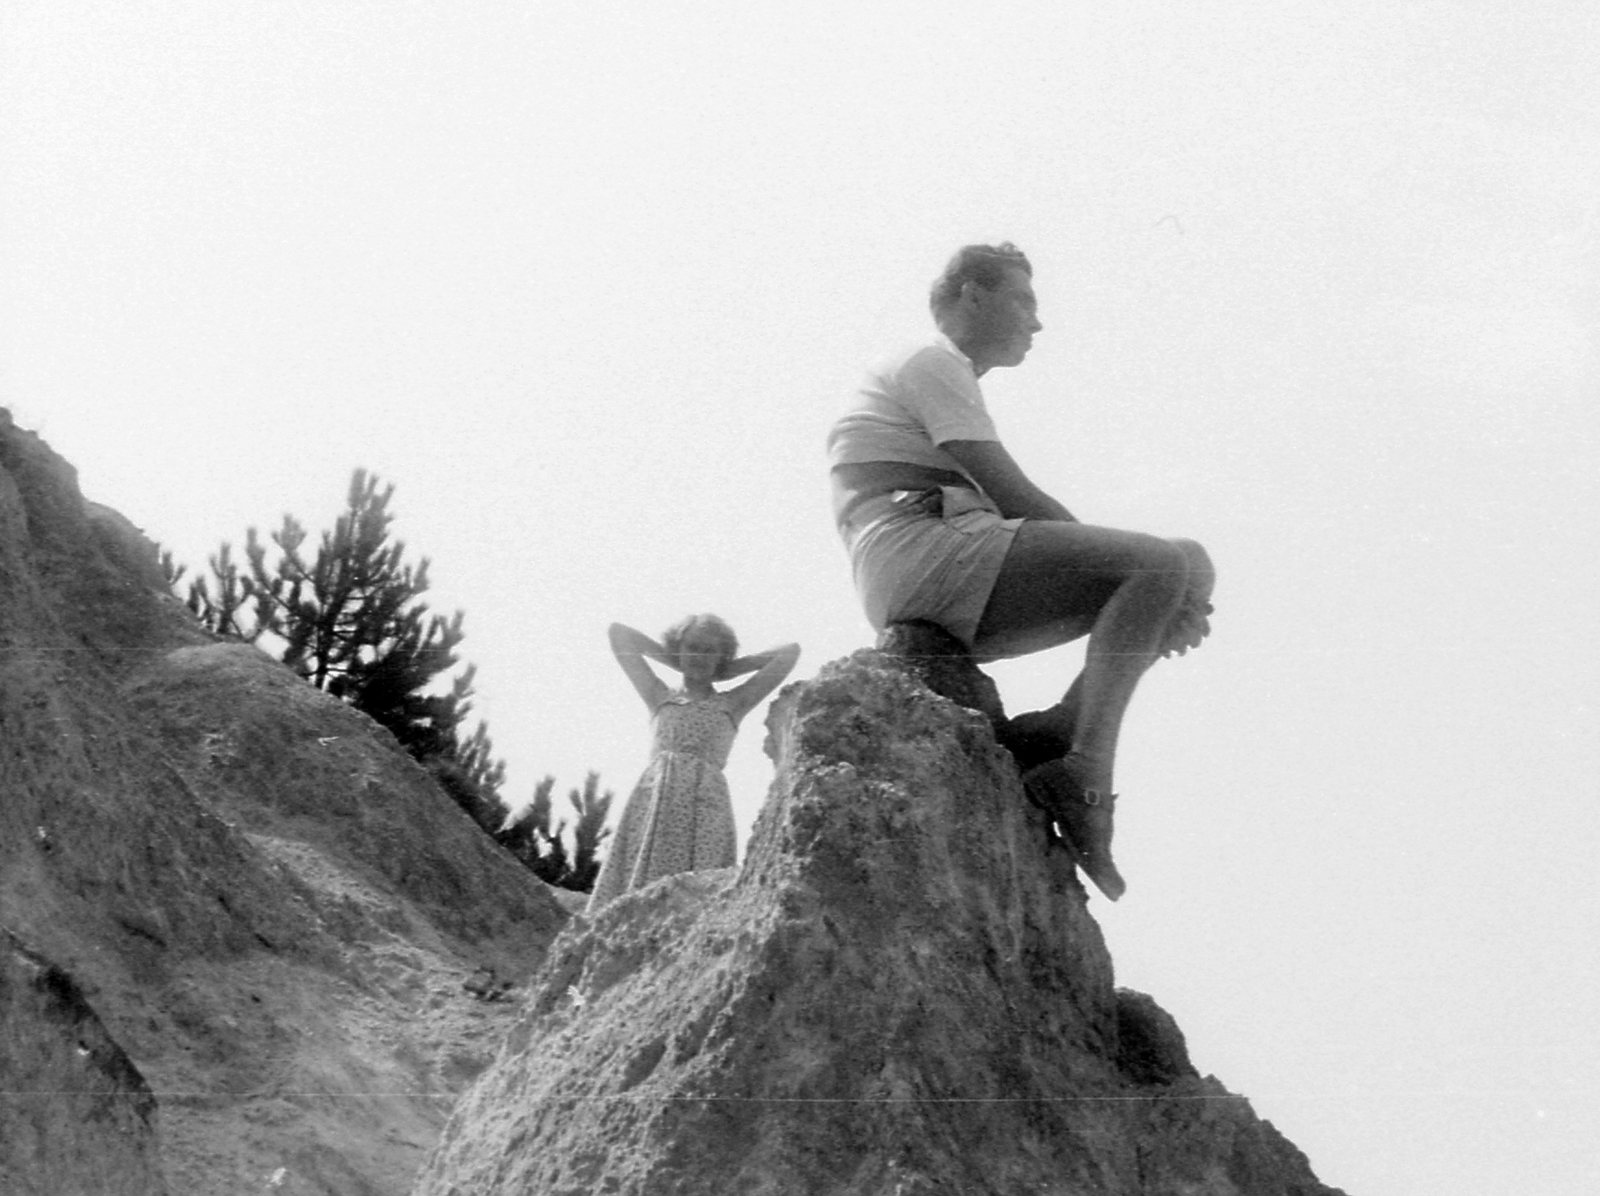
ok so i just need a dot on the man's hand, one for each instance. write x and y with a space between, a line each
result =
1188 627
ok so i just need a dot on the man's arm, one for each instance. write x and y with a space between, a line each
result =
1002 479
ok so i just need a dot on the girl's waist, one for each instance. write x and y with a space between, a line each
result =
679 755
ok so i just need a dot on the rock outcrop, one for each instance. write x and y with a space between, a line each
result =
238 895
902 993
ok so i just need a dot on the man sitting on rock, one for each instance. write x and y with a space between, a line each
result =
942 526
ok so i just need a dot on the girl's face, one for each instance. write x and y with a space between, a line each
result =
700 654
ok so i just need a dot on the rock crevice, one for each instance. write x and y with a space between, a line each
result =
78 1116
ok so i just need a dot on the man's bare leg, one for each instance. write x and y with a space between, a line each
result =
1137 597
1061 581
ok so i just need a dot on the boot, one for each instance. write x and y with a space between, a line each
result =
1083 817
1036 737
1041 735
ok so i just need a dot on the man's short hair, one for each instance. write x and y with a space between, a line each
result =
985 265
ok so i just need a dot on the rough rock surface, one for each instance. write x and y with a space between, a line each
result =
78 1116
900 994
252 895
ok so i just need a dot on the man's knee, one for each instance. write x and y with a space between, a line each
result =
1166 558
1202 573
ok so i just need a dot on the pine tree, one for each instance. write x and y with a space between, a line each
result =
221 614
475 755
589 832
529 836
480 803
351 621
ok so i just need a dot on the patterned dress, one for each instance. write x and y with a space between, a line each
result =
679 817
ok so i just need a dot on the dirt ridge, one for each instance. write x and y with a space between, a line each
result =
268 908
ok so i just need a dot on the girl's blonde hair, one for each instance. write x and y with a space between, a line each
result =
672 638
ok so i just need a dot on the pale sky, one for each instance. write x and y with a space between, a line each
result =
588 282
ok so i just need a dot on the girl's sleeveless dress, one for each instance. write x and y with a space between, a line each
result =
679 817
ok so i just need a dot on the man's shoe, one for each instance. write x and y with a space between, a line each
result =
1083 816
1036 737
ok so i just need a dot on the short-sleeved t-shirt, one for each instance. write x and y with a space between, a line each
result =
910 404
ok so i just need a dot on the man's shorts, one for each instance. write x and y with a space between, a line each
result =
928 554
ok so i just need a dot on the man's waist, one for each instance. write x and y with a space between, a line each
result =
933 502
856 486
